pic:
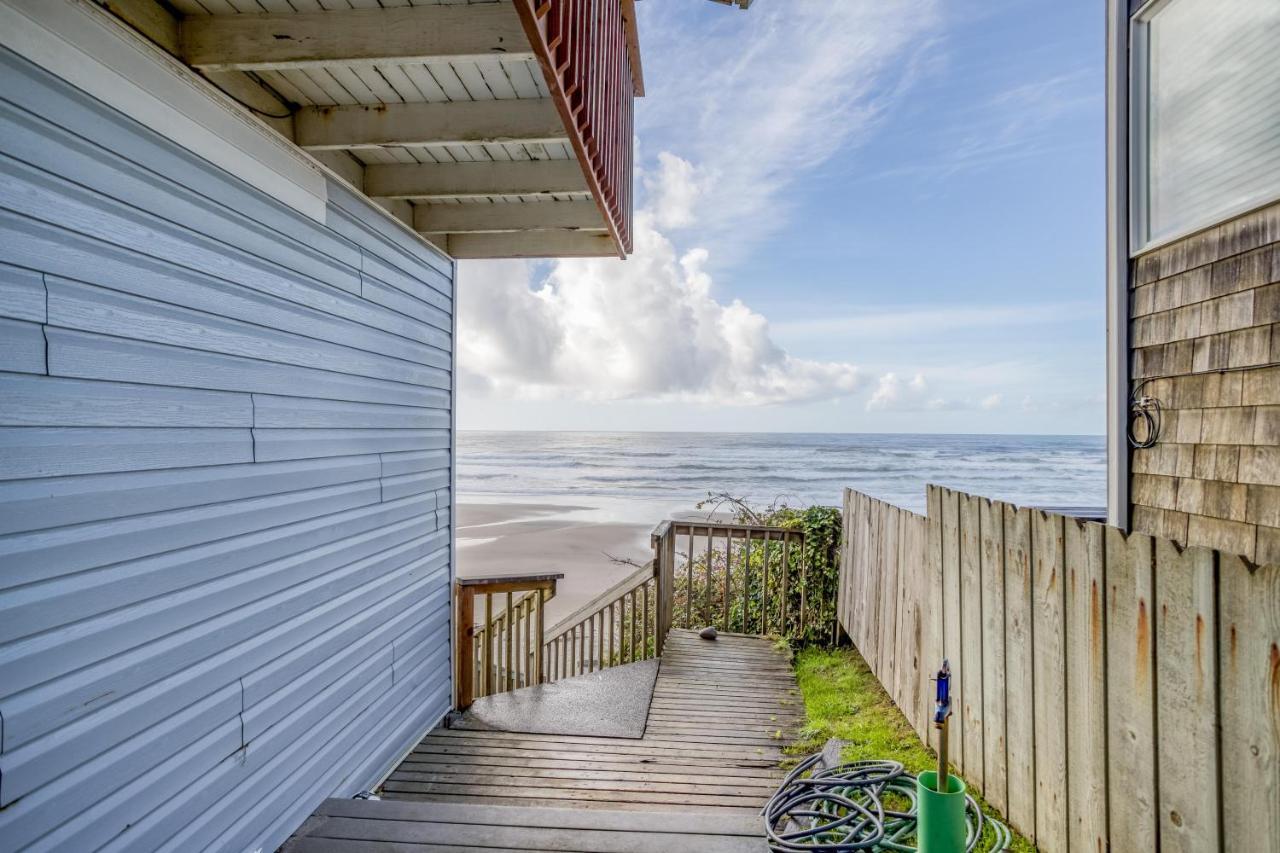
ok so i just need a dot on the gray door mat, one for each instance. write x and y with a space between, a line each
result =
613 702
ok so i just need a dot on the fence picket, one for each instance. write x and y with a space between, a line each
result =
901 626
991 521
971 638
888 599
1049 674
1086 686
871 579
926 633
926 606
1249 652
875 580
933 609
1019 669
1131 775
951 611
1187 693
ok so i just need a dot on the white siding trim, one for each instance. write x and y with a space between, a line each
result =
85 46
1118 229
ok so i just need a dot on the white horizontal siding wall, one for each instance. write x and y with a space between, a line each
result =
224 490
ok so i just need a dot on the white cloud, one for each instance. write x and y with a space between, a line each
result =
756 100
896 394
770 101
1063 403
673 191
645 328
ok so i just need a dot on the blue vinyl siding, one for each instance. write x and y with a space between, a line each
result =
225 466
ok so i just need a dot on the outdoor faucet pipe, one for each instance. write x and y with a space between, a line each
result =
943 800
941 716
823 806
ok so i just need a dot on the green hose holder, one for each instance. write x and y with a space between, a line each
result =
941 823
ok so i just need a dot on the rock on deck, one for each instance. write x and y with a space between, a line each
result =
708 760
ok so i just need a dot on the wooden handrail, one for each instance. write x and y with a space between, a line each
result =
511 583
748 578
626 584
618 626
756 531
538 589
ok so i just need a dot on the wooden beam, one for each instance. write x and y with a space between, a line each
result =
344 165
154 21
498 218
359 36
461 180
149 18
532 244
265 104
528 120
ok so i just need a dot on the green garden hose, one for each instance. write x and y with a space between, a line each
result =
863 805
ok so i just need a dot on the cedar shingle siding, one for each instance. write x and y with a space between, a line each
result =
224 490
1209 302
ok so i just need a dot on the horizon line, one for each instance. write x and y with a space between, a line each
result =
1101 435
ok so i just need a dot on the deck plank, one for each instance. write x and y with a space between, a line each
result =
354 826
721 713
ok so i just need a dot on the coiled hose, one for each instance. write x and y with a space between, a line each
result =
842 809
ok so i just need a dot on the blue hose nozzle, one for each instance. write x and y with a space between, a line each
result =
942 709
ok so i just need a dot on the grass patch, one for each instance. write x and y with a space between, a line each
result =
843 699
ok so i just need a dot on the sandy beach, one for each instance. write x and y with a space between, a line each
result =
531 538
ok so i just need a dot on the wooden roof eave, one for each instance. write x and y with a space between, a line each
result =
230 49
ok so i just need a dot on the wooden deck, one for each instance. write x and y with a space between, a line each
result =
708 760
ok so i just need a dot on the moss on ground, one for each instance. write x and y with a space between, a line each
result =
843 699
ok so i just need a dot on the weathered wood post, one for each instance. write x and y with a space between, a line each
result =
464 647
538 631
662 555
487 653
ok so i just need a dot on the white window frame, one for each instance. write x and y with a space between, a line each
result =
1139 129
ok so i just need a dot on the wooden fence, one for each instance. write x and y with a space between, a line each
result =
1113 691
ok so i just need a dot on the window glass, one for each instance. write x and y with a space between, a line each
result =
1208 112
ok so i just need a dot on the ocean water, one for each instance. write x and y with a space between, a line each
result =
675 470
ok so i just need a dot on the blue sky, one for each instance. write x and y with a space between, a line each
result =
853 217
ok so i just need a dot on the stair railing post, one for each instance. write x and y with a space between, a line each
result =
538 638
663 543
488 644
464 647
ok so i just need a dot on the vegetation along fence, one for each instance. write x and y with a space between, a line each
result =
1113 691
